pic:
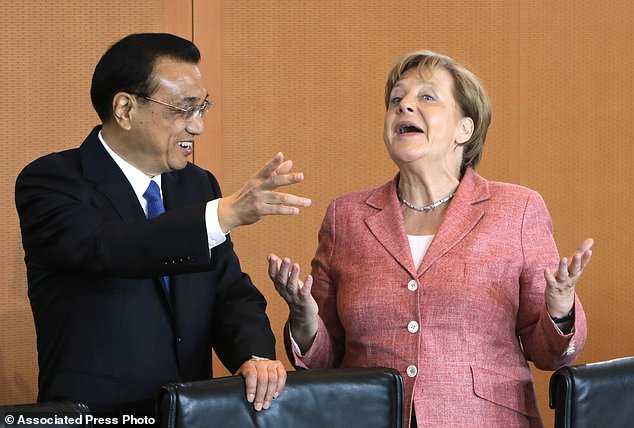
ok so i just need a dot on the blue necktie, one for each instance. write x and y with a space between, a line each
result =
154 209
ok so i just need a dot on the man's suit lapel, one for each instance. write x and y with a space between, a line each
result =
174 195
463 213
461 217
99 168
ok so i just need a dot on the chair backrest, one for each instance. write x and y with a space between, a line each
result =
594 395
331 398
57 414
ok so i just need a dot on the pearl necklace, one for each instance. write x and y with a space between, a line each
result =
427 207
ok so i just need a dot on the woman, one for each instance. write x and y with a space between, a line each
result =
451 279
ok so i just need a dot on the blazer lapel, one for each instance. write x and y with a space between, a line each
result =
462 216
388 226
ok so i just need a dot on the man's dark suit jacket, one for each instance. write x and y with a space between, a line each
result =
107 334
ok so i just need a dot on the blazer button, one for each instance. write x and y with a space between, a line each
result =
412 285
179 339
411 371
412 327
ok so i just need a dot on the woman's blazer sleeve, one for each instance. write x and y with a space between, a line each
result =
542 341
328 347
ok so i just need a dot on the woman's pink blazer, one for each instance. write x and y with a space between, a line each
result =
462 327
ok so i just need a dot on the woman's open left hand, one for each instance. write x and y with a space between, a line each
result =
302 306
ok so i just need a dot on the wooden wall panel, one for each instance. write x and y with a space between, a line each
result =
207 34
576 91
307 78
48 51
179 18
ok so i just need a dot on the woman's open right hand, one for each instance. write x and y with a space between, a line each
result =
302 306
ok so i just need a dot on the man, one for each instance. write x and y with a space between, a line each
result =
124 298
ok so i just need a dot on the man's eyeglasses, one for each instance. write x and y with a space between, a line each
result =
187 113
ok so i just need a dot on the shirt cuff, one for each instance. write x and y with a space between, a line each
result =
215 235
294 344
256 358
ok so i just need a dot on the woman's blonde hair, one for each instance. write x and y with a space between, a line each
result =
467 91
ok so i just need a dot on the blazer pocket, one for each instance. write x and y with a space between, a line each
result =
512 393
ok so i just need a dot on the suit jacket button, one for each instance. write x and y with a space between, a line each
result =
412 285
179 339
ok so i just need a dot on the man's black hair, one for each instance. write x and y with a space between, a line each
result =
127 66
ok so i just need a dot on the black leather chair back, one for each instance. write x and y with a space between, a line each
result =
68 415
594 395
332 398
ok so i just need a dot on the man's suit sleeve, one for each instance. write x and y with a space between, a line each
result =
68 225
241 328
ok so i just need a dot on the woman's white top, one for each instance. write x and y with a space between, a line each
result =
418 245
